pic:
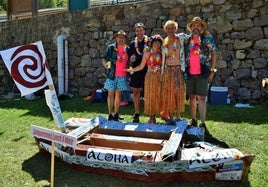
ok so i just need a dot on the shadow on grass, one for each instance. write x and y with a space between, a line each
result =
210 138
38 166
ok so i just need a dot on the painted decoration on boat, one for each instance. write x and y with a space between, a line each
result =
109 156
139 167
54 106
230 171
85 127
198 158
77 122
52 135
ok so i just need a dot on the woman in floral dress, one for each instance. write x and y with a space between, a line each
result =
152 57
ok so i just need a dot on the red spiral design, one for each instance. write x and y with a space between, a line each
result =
32 72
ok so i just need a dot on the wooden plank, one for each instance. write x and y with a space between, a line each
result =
85 125
125 142
170 148
20 6
117 132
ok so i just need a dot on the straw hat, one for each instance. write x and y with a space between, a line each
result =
139 24
197 20
121 32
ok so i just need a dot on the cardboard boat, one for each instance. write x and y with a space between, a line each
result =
146 152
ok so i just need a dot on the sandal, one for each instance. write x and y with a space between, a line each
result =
136 118
164 115
152 120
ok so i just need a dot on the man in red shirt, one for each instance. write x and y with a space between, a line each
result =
115 60
201 55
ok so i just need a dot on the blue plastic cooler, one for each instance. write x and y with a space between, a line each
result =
218 95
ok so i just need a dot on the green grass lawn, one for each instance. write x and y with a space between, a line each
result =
21 164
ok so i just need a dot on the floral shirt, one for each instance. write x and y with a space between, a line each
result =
204 50
182 38
112 54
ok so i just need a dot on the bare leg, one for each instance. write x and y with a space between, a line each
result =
136 99
193 106
110 101
202 108
117 100
177 113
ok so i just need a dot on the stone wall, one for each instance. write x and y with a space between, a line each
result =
239 26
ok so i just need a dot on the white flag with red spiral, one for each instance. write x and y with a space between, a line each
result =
28 67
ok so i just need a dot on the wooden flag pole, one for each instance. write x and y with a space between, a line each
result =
52 89
52 166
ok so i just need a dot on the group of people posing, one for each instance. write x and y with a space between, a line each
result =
167 69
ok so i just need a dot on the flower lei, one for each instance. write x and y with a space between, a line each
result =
165 47
123 57
195 45
155 59
146 39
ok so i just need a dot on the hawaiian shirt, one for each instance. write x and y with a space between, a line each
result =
110 54
182 38
207 45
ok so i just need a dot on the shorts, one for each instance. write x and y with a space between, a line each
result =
197 85
137 79
119 83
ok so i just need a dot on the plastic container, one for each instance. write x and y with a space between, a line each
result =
99 95
218 95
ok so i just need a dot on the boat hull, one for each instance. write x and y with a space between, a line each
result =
186 175
143 152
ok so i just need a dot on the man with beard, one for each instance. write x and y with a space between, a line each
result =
137 47
201 56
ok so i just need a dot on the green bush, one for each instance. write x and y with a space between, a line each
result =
47 4
3 5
